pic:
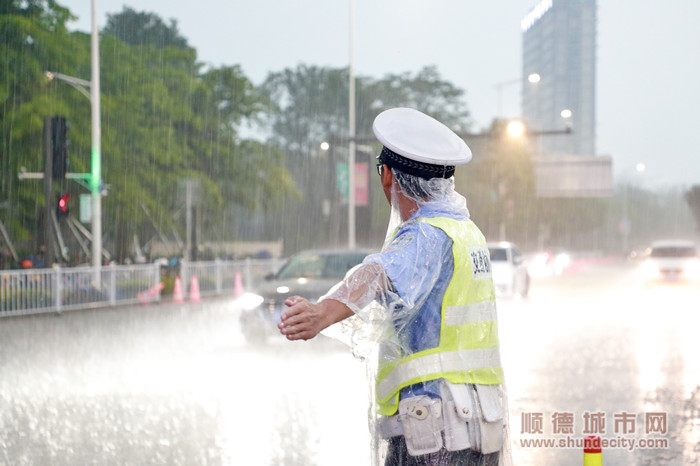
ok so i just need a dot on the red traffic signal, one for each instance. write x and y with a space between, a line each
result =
62 206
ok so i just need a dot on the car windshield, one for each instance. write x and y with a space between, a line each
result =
673 251
312 265
498 254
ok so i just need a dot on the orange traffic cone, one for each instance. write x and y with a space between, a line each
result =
238 286
155 291
151 295
177 291
592 452
194 290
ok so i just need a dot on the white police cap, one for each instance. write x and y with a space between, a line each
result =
420 137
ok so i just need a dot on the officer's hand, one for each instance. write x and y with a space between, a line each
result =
302 320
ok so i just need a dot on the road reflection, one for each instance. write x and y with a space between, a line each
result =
174 384
179 385
599 341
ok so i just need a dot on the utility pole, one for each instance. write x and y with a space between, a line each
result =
48 193
351 117
96 159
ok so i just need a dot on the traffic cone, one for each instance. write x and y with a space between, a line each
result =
177 291
155 290
238 286
592 452
194 290
151 294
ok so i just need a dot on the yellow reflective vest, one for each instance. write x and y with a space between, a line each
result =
468 348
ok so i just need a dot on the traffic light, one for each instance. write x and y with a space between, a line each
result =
62 206
59 144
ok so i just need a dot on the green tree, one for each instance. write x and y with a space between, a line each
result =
142 28
163 119
312 104
499 183
167 121
33 39
312 107
692 197
426 91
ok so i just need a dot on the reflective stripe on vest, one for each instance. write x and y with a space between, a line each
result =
433 366
468 348
476 312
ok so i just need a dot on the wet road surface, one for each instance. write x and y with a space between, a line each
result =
177 384
600 341
174 385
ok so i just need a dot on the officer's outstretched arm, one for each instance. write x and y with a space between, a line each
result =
304 320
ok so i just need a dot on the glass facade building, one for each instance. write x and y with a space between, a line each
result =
559 45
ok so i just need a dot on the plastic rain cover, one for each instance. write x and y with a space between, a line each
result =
397 296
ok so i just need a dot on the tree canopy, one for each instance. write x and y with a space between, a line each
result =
313 107
255 151
140 28
692 197
163 119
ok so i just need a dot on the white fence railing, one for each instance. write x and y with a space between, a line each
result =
59 289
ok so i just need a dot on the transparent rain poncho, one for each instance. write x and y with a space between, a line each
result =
397 297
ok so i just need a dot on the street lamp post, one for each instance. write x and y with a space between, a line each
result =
351 117
76 83
514 128
532 78
95 176
96 159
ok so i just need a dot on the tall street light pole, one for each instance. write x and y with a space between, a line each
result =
96 159
532 78
95 176
351 117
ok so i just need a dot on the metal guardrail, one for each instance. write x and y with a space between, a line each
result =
219 277
58 289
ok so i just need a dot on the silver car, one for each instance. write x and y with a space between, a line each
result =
509 270
309 274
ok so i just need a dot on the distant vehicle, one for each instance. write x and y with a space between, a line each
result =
509 270
309 274
671 261
549 263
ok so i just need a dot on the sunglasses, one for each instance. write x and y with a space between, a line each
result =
380 165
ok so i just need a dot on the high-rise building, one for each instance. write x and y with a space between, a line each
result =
559 45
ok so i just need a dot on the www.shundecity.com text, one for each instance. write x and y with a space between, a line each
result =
619 442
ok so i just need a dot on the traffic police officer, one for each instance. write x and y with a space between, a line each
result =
439 382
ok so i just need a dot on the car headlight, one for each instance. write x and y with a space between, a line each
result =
692 270
649 270
501 275
562 260
249 301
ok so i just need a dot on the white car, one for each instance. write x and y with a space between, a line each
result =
671 261
509 270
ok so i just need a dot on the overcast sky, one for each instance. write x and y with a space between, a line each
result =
648 82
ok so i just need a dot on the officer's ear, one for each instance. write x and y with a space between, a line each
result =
387 176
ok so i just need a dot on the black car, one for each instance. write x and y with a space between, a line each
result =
309 274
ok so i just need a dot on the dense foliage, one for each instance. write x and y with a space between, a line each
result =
254 152
692 197
164 119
